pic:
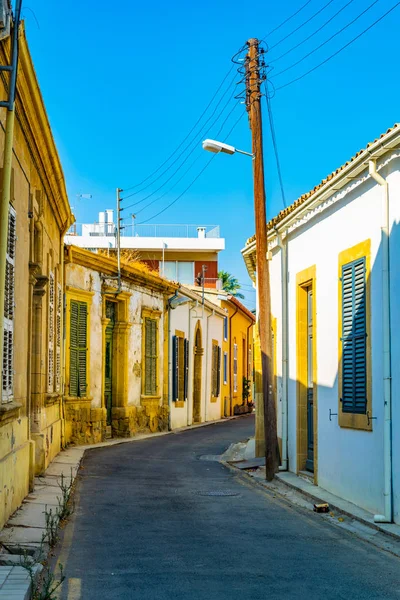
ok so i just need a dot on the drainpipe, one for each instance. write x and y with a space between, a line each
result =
7 168
285 351
387 379
206 365
230 361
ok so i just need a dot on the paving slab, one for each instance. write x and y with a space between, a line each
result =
21 535
57 469
30 513
15 582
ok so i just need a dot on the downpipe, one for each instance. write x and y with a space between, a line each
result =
387 379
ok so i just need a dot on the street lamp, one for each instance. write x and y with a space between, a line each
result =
216 147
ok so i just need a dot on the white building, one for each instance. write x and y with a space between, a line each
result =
178 252
335 284
195 348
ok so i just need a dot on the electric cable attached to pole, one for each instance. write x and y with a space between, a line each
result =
254 78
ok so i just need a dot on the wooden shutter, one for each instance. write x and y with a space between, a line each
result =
9 310
235 356
354 346
73 348
186 368
82 349
181 370
218 389
175 368
50 350
59 308
150 359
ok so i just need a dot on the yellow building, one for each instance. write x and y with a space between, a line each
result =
116 348
237 353
39 215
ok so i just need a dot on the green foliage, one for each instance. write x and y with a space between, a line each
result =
230 284
246 389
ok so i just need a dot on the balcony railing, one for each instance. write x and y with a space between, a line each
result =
146 230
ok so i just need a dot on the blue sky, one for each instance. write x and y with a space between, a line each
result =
124 82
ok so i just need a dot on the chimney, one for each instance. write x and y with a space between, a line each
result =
201 232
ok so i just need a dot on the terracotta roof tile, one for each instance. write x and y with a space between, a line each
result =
286 211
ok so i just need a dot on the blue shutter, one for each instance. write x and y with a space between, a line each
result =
175 368
354 338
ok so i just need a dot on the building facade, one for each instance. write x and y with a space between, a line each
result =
178 252
39 215
116 358
334 289
195 349
237 354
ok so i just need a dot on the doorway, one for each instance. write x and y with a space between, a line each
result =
306 373
108 363
197 374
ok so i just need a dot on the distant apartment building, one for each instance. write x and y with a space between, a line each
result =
179 252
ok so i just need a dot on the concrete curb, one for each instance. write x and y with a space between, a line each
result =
378 535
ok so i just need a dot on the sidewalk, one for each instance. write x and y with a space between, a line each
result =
26 529
298 491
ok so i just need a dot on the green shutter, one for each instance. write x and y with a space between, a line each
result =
354 343
150 359
78 349
175 368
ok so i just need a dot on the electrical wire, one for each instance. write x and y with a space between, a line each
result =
340 49
301 25
192 142
194 180
312 34
326 41
185 173
274 143
186 137
286 20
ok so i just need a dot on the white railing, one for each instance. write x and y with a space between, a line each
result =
146 230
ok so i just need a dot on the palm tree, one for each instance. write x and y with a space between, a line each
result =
230 284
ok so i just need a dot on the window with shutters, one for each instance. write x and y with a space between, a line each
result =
9 310
180 362
225 368
354 344
354 354
50 330
78 349
225 328
59 308
235 367
150 387
215 369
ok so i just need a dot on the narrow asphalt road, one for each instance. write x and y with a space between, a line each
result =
152 523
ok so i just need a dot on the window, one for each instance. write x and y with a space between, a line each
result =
50 329
225 328
179 271
150 356
225 368
250 367
58 336
215 369
354 337
180 366
9 306
235 367
78 349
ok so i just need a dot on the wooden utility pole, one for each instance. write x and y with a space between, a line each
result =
253 103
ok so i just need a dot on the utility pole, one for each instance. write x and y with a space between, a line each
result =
118 240
253 97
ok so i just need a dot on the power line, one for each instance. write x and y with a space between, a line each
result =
286 20
326 41
340 49
185 138
194 180
193 140
274 143
185 173
312 34
301 25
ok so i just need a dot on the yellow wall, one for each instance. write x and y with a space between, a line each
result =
239 333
